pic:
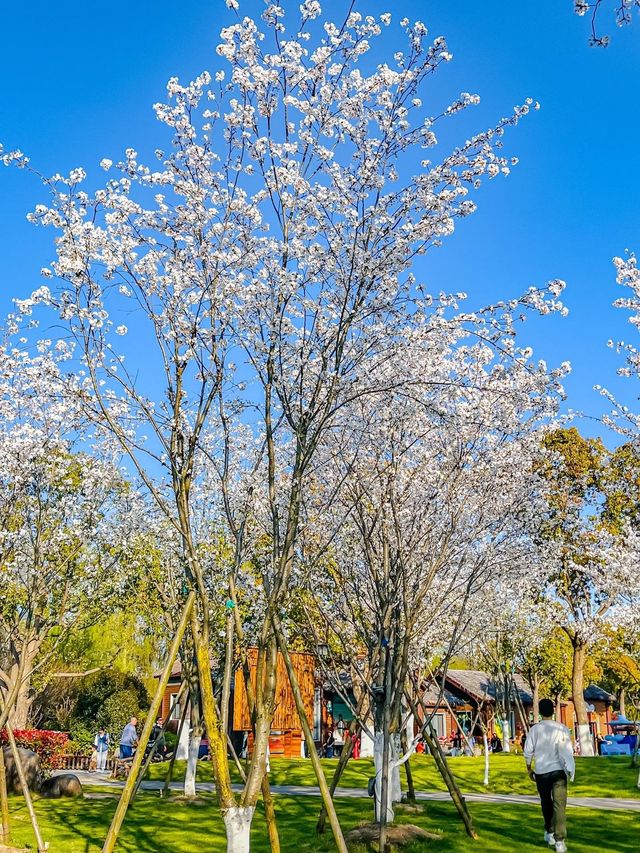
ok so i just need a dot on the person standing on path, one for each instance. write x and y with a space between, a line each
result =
549 756
101 744
129 738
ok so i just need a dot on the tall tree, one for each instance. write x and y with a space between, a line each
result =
589 568
265 267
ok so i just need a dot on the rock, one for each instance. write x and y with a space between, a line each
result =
31 766
62 785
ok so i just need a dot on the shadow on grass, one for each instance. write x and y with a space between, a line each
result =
170 826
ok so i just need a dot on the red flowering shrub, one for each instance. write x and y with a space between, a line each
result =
49 746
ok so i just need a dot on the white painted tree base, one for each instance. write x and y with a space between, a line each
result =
585 740
394 789
192 767
506 745
237 823
182 750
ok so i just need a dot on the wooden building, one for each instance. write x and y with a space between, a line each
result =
286 732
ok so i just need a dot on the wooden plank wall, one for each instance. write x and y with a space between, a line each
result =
285 716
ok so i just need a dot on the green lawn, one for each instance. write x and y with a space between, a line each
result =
595 777
173 826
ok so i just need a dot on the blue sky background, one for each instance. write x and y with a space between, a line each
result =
79 80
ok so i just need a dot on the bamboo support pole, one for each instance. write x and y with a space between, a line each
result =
5 829
127 791
42 847
441 763
152 751
345 755
308 736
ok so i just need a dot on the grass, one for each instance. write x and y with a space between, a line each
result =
174 826
595 777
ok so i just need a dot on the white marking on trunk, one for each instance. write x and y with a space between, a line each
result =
237 823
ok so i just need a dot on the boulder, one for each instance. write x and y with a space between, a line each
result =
62 785
31 766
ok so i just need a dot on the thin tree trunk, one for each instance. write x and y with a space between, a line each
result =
485 744
127 791
439 757
622 704
5 828
195 738
411 791
536 699
25 791
577 685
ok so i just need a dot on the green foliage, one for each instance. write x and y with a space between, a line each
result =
108 698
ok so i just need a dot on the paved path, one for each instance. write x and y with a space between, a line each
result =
608 803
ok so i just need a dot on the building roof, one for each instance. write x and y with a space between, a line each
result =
594 693
431 697
481 687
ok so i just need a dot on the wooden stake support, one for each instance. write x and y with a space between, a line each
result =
130 784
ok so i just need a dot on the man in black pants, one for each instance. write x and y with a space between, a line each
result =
548 747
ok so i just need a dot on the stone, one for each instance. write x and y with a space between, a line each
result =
31 766
62 785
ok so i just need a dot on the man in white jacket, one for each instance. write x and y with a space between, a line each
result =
549 756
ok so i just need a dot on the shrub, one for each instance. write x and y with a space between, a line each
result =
49 746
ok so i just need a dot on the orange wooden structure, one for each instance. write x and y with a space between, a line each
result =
286 731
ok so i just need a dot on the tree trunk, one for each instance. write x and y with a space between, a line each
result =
506 745
536 699
558 708
404 745
195 736
192 764
237 824
577 685
622 704
485 743
4 800
19 714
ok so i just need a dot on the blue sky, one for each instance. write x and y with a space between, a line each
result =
79 80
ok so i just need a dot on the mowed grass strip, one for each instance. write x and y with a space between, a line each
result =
155 825
610 776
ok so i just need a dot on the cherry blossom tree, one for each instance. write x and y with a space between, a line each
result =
265 266
65 516
432 486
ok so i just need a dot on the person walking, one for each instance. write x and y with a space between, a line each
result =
549 756
101 745
129 738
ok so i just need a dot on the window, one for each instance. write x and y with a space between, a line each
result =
174 707
440 725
